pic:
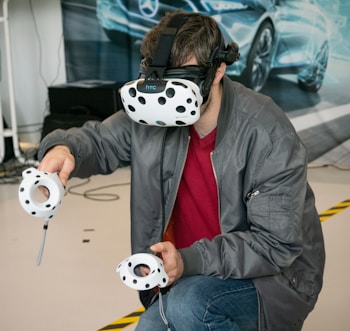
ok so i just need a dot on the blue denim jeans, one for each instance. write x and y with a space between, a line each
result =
204 303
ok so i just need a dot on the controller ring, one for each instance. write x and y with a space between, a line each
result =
32 179
156 277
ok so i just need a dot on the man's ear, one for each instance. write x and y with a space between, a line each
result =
220 72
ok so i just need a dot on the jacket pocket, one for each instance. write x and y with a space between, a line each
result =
301 282
271 212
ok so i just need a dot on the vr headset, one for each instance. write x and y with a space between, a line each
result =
173 97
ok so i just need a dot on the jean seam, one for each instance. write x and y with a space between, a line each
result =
220 296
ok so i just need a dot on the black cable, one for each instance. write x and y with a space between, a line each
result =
36 30
89 194
39 40
316 166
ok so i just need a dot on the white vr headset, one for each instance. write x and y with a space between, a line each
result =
173 97
165 102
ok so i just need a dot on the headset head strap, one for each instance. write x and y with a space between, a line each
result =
162 55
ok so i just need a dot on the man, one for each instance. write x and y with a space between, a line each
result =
224 201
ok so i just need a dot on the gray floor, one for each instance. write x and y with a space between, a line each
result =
76 287
338 156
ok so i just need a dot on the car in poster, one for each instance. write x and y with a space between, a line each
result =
274 36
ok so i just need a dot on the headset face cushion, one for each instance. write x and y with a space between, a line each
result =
194 73
190 72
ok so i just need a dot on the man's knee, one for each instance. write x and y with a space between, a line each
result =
185 303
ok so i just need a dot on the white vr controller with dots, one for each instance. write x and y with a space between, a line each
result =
156 277
47 209
32 179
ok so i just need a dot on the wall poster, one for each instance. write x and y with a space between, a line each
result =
296 51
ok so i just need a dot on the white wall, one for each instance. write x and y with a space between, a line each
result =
37 62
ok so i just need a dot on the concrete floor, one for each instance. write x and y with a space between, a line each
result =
76 287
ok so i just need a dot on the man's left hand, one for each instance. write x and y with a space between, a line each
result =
173 264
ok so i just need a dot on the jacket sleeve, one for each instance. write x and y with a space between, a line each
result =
98 147
274 216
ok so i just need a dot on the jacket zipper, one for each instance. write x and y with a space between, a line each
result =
217 186
177 185
251 195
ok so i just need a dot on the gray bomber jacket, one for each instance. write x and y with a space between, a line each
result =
271 231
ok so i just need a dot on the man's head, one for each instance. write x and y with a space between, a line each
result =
181 57
198 41
198 36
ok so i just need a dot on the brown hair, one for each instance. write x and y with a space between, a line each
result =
198 36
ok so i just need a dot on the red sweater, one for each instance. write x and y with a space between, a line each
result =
196 213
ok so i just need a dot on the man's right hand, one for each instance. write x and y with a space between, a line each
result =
58 159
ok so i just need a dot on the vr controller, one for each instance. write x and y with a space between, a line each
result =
156 277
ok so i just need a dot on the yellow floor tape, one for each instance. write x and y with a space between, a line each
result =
124 321
334 210
127 320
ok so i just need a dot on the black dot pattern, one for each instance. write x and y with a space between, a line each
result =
32 182
156 276
172 103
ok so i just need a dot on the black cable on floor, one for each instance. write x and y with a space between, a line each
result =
91 193
335 166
